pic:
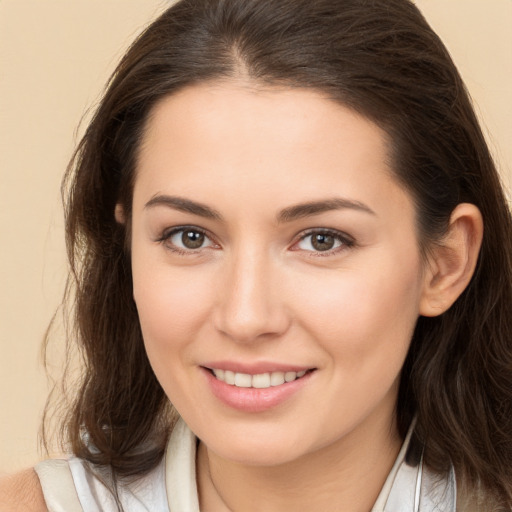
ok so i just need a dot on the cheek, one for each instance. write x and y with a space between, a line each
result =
364 312
171 304
172 308
363 321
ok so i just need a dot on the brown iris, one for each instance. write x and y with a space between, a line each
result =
322 242
192 239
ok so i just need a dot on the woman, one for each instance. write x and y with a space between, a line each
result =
284 221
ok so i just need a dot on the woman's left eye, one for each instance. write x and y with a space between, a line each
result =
186 239
324 241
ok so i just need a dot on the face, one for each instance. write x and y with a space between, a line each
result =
276 268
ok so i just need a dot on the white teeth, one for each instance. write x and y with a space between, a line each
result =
243 380
276 378
259 381
290 376
219 374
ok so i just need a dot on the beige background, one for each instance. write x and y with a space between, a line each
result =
55 56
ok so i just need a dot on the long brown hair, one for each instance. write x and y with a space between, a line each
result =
380 58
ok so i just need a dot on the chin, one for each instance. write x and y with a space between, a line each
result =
264 455
258 446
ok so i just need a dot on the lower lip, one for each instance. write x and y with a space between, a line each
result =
254 399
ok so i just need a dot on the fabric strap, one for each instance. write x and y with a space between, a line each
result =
58 486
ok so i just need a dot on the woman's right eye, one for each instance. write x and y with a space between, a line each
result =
186 240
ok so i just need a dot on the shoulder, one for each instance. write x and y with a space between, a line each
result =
21 492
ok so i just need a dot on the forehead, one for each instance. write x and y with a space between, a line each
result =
290 115
222 140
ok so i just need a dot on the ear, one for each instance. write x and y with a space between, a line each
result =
119 214
451 263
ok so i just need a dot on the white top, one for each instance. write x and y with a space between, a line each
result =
69 486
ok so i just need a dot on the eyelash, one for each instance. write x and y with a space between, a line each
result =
168 234
346 241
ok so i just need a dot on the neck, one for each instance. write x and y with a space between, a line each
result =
347 475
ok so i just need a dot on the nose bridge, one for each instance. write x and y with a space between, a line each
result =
250 306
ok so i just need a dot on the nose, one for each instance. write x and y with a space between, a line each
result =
250 303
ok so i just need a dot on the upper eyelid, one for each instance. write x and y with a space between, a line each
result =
348 239
168 232
348 242
334 232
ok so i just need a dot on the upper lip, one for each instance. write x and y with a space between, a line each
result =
255 368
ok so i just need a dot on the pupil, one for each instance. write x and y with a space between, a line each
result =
192 239
323 242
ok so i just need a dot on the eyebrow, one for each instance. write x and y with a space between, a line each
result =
315 207
288 214
184 205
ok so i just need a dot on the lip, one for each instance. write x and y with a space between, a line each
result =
254 368
254 400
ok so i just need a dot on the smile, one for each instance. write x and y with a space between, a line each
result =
253 389
258 381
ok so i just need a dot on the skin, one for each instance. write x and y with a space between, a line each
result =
257 290
21 493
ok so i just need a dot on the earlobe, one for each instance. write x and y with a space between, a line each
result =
119 214
452 262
